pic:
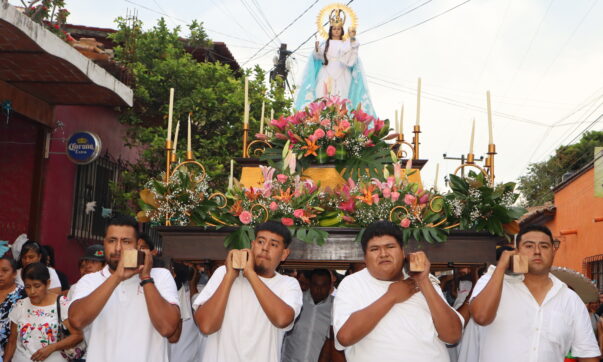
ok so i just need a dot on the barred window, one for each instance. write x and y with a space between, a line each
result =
594 269
92 184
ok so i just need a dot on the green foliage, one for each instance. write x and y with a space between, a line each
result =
159 59
536 185
49 13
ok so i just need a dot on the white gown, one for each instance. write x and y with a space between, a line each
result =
335 77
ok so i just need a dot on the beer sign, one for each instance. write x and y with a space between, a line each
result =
83 147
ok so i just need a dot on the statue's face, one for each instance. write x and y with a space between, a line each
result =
336 32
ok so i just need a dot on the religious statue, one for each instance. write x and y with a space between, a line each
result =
334 68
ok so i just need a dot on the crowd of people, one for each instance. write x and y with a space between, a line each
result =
380 310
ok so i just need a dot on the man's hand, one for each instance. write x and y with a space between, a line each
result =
424 275
122 273
402 289
231 272
148 264
249 269
43 353
505 259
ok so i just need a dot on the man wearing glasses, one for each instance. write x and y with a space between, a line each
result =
533 317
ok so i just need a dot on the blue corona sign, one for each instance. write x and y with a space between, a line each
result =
83 147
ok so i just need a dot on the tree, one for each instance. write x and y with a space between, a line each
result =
537 184
159 59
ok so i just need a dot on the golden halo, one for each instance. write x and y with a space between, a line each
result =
323 18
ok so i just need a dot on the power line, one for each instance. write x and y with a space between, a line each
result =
220 5
255 18
397 16
282 31
419 23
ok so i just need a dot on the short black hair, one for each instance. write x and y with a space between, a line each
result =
147 239
502 249
11 261
275 227
381 228
320 273
123 220
36 271
533 227
49 251
34 246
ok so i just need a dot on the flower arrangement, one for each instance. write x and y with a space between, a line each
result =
184 200
326 131
475 205
284 197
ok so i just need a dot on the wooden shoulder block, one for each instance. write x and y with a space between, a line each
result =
239 259
416 262
518 264
132 258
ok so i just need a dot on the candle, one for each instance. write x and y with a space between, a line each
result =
176 136
188 138
401 125
490 134
271 114
246 104
230 179
396 125
472 137
419 102
170 114
437 174
262 118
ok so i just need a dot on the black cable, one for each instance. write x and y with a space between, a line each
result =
397 17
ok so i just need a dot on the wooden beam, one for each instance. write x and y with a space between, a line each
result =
27 105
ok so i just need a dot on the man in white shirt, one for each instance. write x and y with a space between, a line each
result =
536 315
381 314
246 316
305 341
125 313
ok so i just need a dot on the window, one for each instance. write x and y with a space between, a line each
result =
92 185
594 269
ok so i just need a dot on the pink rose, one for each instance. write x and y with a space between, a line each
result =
298 213
387 192
409 199
245 217
424 199
331 150
330 134
325 123
395 196
273 206
345 124
319 133
287 221
405 222
312 138
281 178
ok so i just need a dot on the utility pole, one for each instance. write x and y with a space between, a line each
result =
280 72
462 159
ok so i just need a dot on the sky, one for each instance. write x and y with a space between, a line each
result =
542 61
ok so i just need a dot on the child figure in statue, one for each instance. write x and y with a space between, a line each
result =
334 68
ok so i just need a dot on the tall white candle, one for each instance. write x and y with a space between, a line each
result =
472 137
188 138
230 178
176 136
397 124
271 114
437 175
262 118
490 133
246 104
170 114
401 125
419 102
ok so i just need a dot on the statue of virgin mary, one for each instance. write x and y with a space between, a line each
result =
334 68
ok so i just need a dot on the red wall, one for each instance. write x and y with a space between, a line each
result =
60 173
17 162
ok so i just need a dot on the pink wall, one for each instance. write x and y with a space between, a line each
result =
17 161
59 182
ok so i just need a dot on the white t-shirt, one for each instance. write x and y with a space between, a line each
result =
247 335
304 342
54 278
406 331
123 330
536 333
38 327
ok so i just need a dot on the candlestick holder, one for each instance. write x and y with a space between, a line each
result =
245 136
398 147
173 158
415 141
490 162
189 155
168 159
471 163
257 147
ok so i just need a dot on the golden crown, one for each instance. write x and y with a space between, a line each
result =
335 15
